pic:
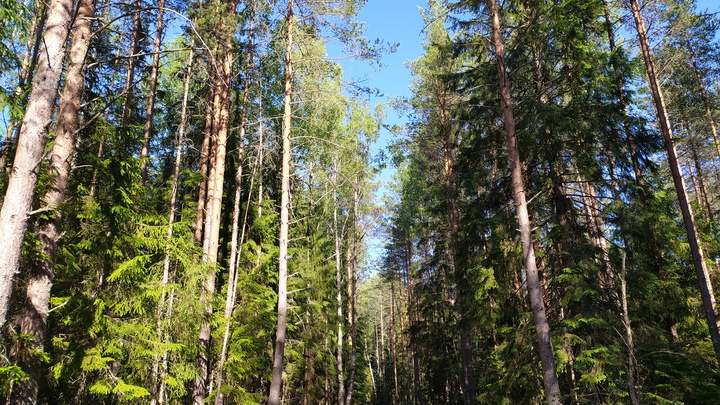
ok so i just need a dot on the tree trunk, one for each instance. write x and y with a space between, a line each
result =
706 101
706 290
215 183
163 311
550 380
279 353
628 334
33 318
204 164
235 245
702 194
150 112
27 68
130 76
30 147
393 343
338 234
352 297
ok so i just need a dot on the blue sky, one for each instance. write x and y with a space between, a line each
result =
394 21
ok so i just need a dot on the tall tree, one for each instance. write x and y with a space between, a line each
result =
30 146
550 380
34 317
286 150
706 289
222 81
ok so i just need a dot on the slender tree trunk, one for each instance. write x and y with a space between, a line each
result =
279 353
393 344
338 234
597 233
31 144
157 375
550 380
703 197
130 76
628 334
706 290
150 112
706 101
33 318
101 144
352 295
370 366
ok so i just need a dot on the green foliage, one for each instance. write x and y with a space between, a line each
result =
447 301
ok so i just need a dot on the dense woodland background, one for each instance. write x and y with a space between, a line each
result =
189 194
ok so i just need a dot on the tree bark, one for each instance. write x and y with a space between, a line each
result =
279 352
163 307
352 296
628 334
215 187
706 290
338 234
204 164
27 67
550 380
130 76
31 144
235 245
33 318
706 101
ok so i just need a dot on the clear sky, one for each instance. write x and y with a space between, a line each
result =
396 22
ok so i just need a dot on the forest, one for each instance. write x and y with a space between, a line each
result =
192 203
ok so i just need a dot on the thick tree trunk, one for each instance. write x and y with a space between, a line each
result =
279 352
30 147
33 318
235 244
150 112
550 380
27 68
706 290
213 208
204 164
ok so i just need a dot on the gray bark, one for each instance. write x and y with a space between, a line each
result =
279 352
33 318
31 144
